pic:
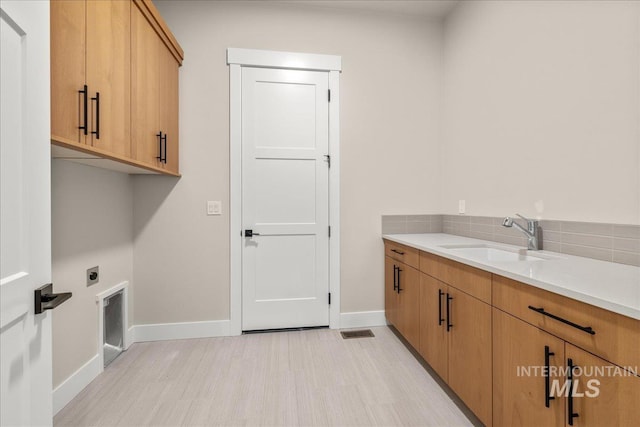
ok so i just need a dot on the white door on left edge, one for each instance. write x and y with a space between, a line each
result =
285 198
25 216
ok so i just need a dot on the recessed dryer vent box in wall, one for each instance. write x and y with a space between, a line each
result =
113 327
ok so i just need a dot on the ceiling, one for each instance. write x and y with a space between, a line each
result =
422 8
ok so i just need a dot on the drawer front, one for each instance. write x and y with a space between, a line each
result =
616 338
405 254
468 279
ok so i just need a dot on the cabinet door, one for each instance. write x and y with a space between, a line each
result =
433 326
109 73
603 395
470 352
409 304
145 89
68 28
390 293
519 385
168 67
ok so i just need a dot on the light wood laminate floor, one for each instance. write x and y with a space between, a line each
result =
300 378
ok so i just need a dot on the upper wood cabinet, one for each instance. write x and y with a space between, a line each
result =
90 49
155 91
114 85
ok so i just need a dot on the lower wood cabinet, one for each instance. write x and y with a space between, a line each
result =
433 325
470 352
506 349
520 390
604 394
402 297
596 393
390 291
455 339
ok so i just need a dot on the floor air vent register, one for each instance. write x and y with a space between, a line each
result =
361 333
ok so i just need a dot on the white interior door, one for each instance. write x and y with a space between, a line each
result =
25 218
285 200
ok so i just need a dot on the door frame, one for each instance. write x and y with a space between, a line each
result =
236 59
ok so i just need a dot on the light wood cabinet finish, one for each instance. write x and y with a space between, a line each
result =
68 46
471 280
169 108
109 73
616 338
519 400
470 352
455 339
409 304
145 95
390 293
155 93
405 254
433 327
402 298
617 399
493 332
123 50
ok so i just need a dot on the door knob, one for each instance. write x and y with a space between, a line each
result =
250 233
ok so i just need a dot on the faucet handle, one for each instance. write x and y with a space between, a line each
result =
532 224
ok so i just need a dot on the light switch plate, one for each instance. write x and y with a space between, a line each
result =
214 207
461 206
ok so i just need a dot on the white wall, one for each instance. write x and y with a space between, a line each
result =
92 217
389 144
542 110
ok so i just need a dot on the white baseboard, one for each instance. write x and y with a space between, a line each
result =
179 331
73 385
362 319
130 338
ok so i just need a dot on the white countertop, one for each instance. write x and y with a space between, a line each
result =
614 287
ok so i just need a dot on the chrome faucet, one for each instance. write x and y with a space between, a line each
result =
532 231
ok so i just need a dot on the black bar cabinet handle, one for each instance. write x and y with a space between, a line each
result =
547 391
97 131
398 252
399 270
164 158
586 329
159 156
570 413
395 283
84 92
449 325
440 319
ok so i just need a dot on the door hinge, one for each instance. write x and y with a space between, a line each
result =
329 298
329 231
329 95
327 157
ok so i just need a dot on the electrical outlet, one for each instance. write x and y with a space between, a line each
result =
93 275
461 206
